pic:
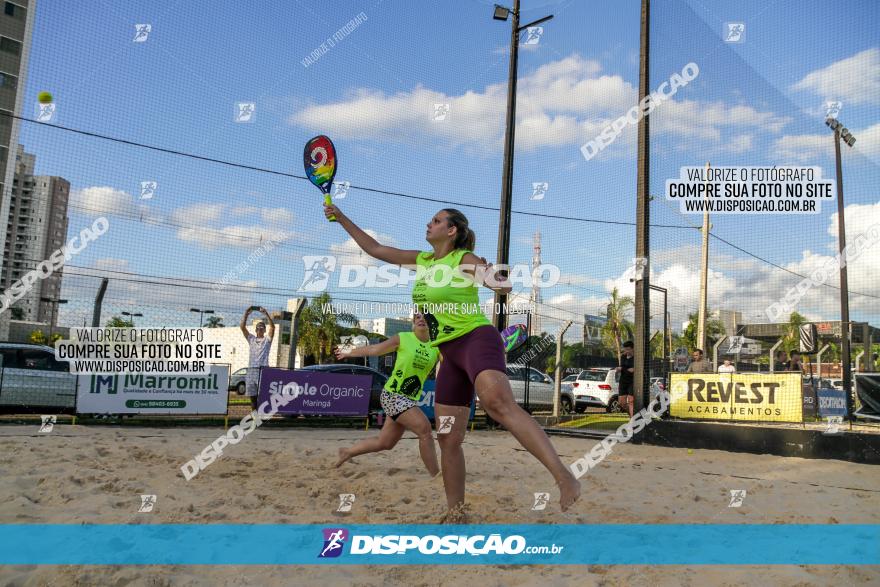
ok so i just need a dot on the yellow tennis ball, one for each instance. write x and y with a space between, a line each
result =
44 98
690 451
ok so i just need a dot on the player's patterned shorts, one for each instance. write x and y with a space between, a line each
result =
395 404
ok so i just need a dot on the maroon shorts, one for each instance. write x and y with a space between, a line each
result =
463 359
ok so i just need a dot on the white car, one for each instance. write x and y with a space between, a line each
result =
541 387
33 380
593 387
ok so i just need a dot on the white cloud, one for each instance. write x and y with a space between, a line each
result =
229 236
349 252
562 103
806 148
198 213
854 80
97 200
201 224
276 215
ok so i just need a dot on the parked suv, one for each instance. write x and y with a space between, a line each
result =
32 380
540 387
592 387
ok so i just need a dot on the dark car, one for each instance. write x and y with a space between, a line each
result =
376 384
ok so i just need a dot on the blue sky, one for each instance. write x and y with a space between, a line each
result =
759 102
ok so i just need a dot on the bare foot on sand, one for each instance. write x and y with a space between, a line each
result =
343 456
456 515
569 492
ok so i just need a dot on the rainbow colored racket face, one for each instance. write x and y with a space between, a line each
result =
513 336
319 161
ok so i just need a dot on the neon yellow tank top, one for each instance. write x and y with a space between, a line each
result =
415 359
451 310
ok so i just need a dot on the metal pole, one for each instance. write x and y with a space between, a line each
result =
500 316
528 360
819 360
773 355
844 286
704 276
641 345
557 383
715 351
99 299
294 332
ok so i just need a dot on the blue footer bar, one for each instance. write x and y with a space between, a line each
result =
283 544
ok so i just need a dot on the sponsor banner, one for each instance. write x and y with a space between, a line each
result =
810 402
771 397
426 403
146 393
832 402
421 544
317 392
867 386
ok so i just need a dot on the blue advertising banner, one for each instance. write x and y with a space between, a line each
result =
421 544
315 392
832 402
427 401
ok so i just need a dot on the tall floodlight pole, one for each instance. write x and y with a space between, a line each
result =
503 256
641 344
842 133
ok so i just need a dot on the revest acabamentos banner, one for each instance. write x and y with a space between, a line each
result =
767 397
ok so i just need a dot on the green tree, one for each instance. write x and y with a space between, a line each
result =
117 322
319 330
792 339
714 331
214 322
16 313
617 325
38 337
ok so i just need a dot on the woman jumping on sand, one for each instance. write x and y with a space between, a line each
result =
472 349
415 360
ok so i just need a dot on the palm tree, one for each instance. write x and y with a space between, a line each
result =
117 322
714 331
319 330
214 322
792 338
617 324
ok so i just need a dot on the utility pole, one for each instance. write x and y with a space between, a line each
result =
841 132
641 344
704 275
503 256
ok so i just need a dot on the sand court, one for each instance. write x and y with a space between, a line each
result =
97 474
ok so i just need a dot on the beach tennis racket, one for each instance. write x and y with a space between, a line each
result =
319 161
513 337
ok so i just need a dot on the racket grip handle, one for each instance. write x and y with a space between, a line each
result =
329 201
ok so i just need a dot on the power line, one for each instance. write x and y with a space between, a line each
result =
373 190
